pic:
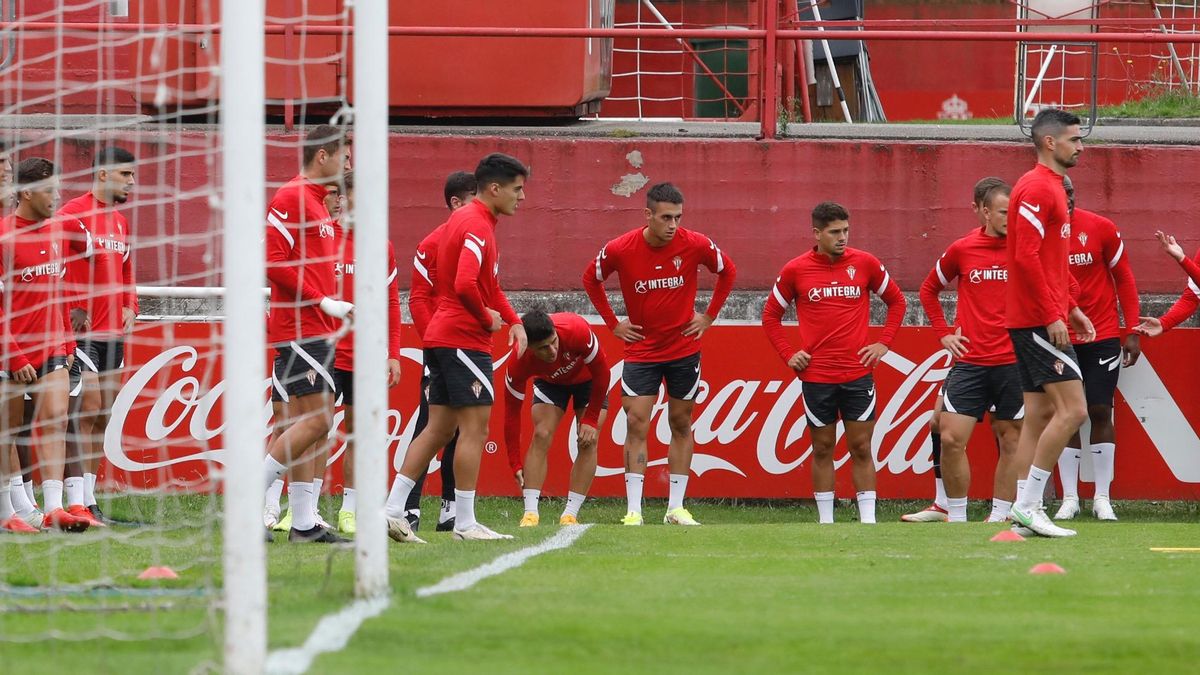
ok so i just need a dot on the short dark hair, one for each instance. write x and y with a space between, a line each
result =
538 325
111 156
1069 188
1051 122
323 137
826 212
459 184
33 170
663 192
499 168
987 189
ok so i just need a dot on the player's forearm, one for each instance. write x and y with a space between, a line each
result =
599 297
722 289
1181 311
931 302
287 279
1029 268
896 305
773 326
393 325
600 381
512 428
1127 293
507 313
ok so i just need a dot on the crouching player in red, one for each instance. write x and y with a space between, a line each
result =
831 286
568 367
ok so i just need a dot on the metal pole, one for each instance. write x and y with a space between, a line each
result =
370 294
1037 83
1179 72
837 83
769 116
243 207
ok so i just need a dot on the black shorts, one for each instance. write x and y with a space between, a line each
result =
973 390
1039 362
853 400
102 356
682 377
345 386
459 378
1101 365
50 365
75 375
303 368
562 395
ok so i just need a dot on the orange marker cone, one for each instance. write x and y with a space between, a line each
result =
1007 535
158 573
1046 568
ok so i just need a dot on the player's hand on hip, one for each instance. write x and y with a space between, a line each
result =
799 360
1169 245
127 319
699 323
870 355
516 334
587 437
25 375
497 322
338 309
629 332
956 343
393 367
1082 325
80 323
1132 349
1057 332
1149 326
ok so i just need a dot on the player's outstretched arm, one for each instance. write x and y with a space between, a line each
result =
1026 264
597 363
935 282
393 290
514 401
781 297
593 284
717 261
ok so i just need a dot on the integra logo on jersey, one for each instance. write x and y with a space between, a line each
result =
45 269
995 274
112 244
325 230
664 283
818 293
342 269
1080 258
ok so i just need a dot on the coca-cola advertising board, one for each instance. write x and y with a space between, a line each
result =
750 431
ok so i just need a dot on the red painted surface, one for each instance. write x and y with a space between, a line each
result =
908 201
751 438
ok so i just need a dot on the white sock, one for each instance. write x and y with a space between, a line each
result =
317 483
274 471
1068 472
1000 509
866 507
464 514
574 503
531 500
824 507
74 488
52 494
679 483
957 508
89 489
1103 458
398 497
633 491
6 506
1035 486
940 499
274 492
447 511
350 500
300 501
29 493
20 500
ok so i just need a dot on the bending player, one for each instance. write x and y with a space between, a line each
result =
984 376
459 190
569 370
1102 270
1038 307
458 342
301 252
830 286
657 267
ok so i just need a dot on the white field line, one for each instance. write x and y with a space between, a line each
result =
333 632
464 580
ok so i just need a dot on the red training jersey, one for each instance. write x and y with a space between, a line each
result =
1039 233
343 272
422 300
301 253
1186 305
468 283
980 263
33 260
103 284
659 288
833 308
1100 266
580 359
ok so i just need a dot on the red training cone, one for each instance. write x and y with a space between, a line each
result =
1046 568
158 573
1007 535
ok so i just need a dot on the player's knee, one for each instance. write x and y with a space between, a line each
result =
952 444
1100 417
822 452
1073 414
638 424
542 435
860 452
681 425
